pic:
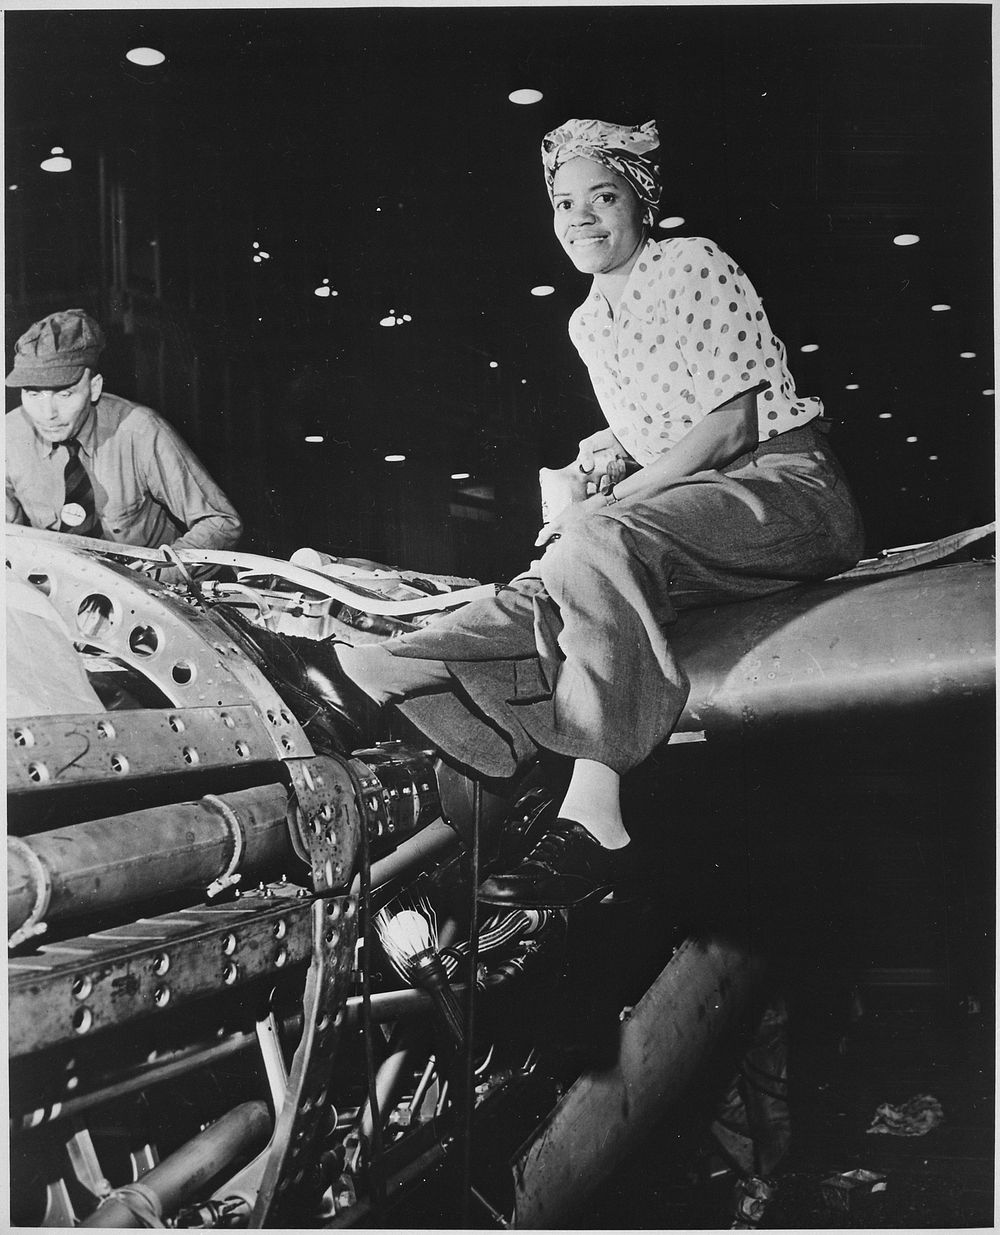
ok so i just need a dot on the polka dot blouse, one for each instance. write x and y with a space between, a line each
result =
689 334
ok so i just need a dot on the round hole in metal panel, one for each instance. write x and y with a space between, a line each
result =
243 750
82 986
231 973
23 736
105 729
144 640
190 755
119 764
176 724
286 744
161 996
280 930
38 772
161 964
333 909
228 944
83 1019
281 959
227 720
183 672
43 583
96 615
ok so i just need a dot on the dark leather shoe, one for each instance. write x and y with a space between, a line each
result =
566 867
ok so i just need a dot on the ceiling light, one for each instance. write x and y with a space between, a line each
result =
265 256
905 238
526 96
321 291
406 318
851 386
147 56
257 258
524 381
809 347
933 458
12 188
57 162
542 289
494 364
460 475
673 220
967 355
989 392
911 439
256 244
389 320
940 308
314 437
885 415
395 458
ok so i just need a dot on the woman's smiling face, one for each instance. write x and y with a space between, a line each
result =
598 219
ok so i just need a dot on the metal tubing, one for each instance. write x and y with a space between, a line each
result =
605 1114
130 858
386 1006
434 841
181 1177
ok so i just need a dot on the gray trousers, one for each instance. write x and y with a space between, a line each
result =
574 656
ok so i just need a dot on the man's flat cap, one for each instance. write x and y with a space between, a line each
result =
57 350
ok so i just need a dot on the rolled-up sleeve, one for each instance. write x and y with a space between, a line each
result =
177 479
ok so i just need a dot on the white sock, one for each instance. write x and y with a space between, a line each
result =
593 799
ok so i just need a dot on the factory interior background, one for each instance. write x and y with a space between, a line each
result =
321 246
317 237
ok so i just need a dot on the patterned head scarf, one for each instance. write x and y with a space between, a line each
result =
622 148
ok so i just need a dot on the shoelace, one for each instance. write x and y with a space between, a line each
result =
550 849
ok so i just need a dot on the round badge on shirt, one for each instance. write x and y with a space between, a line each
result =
72 514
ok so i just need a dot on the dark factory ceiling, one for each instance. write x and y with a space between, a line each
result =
374 152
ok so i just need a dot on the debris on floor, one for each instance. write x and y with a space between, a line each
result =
852 1188
914 1118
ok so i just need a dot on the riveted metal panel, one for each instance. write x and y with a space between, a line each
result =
168 638
88 985
46 751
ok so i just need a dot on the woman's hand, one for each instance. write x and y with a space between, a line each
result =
602 459
569 517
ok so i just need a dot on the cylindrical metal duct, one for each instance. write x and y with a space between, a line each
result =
604 1115
229 1143
130 858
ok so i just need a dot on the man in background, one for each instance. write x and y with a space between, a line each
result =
84 461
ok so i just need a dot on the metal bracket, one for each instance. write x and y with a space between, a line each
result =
324 819
285 1192
33 924
229 877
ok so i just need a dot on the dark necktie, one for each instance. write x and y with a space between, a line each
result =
78 514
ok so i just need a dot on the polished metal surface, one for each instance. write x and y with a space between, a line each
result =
868 647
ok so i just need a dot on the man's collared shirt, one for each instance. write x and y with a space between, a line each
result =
689 334
149 488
